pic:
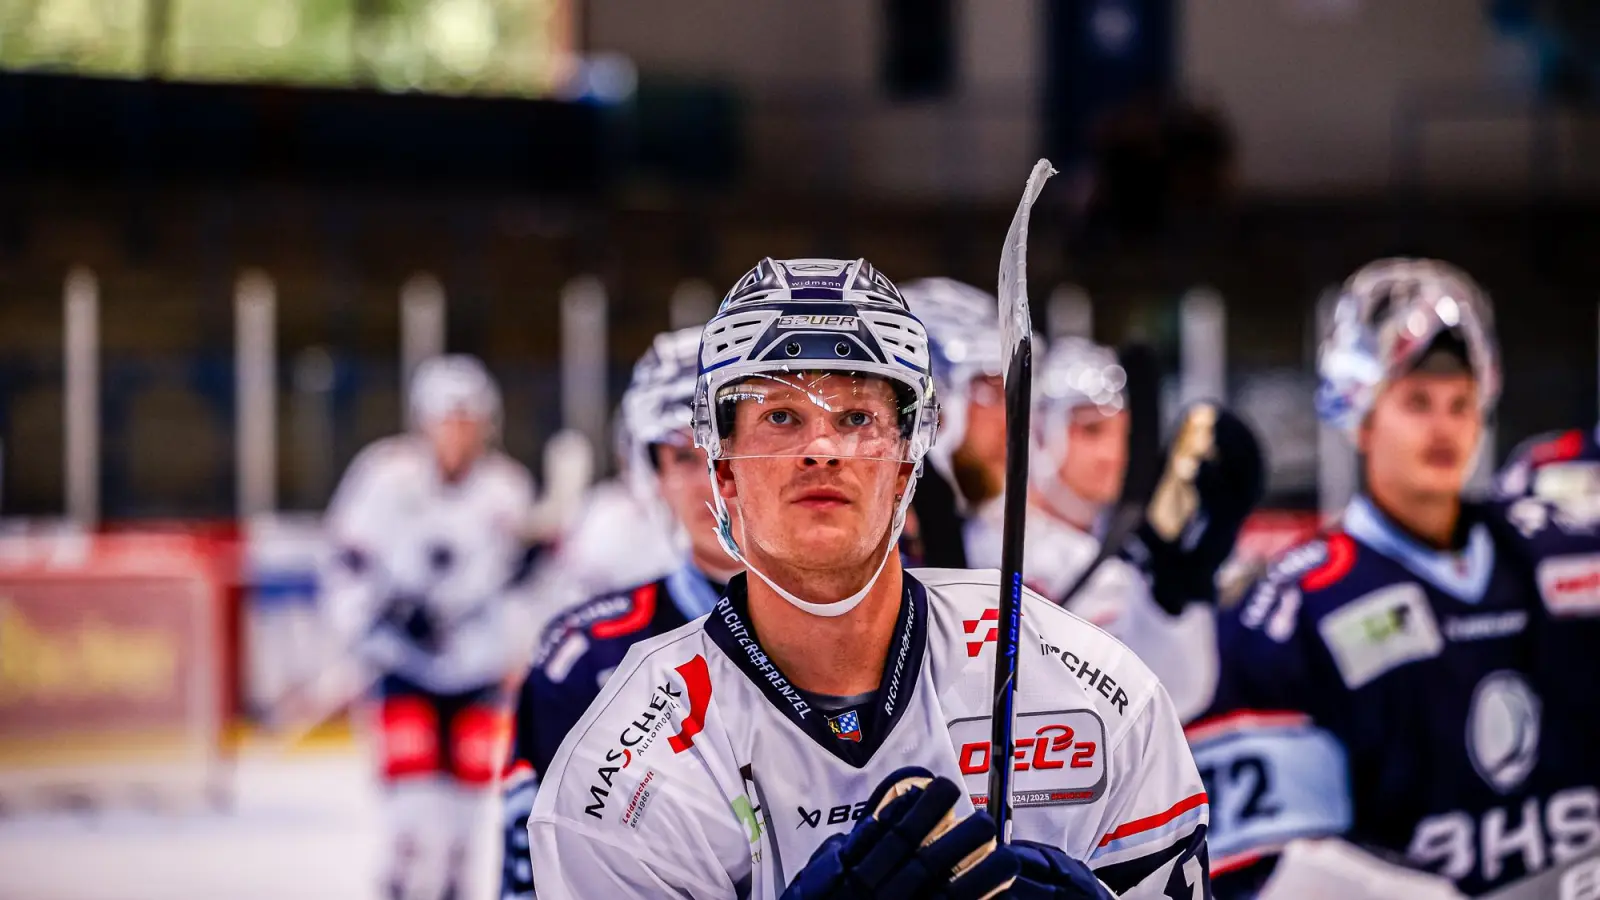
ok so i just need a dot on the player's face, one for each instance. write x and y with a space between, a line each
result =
814 468
457 441
681 473
1421 434
985 439
1097 454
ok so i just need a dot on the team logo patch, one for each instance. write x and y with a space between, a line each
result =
1503 730
1382 631
1570 585
846 726
1058 757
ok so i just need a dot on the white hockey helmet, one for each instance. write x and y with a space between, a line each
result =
963 324
1076 373
453 385
1389 315
786 317
657 406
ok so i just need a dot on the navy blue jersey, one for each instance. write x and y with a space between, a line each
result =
1440 709
576 654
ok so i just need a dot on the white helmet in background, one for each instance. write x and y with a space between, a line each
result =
456 385
1390 314
657 407
1075 373
963 324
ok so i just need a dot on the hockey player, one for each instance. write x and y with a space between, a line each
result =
426 530
967 465
1415 685
580 647
1080 453
762 751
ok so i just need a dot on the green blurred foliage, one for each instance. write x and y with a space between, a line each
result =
516 47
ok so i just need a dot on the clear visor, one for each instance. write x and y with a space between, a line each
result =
817 415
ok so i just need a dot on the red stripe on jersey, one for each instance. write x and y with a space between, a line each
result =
1238 861
1341 557
1155 821
1557 449
643 610
1241 719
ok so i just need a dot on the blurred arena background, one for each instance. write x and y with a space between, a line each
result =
229 228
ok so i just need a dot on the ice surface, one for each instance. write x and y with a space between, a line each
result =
302 827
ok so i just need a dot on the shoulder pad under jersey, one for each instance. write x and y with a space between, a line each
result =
1555 465
617 615
1273 603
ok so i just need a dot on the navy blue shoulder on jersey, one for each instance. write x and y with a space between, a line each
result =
852 735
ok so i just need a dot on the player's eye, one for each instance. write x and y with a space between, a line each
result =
781 417
857 418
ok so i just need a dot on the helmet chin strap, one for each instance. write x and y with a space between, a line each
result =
1065 502
828 610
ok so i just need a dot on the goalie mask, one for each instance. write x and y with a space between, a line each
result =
1391 317
832 347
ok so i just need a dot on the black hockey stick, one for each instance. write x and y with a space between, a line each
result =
1016 325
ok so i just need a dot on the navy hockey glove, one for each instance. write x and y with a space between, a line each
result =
407 616
1214 477
1047 873
909 847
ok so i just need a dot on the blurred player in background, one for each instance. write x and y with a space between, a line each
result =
582 645
1080 453
427 536
966 469
787 744
1415 686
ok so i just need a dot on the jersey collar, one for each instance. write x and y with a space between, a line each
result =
1463 574
691 591
729 628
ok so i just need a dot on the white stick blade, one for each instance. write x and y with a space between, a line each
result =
1016 321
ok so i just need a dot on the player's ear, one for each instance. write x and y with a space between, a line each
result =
902 479
725 483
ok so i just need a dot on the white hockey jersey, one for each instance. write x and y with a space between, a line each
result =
396 527
700 772
1180 649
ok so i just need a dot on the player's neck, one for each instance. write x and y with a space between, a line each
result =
1068 508
839 655
718 568
1430 518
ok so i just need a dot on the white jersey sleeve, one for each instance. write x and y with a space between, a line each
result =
632 806
357 526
